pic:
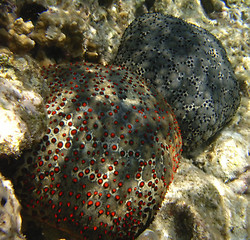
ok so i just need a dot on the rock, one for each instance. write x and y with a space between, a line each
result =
148 235
64 30
10 219
199 206
18 39
23 118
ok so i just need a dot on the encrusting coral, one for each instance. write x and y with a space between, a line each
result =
109 155
189 66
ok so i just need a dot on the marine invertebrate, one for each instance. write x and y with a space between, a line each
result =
110 152
189 66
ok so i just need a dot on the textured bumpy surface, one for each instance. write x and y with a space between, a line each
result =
189 66
10 219
109 155
23 116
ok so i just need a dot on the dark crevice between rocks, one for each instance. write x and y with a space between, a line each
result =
149 4
183 225
212 8
32 231
31 12
58 54
3 201
105 3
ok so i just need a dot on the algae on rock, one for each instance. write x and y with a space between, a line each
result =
22 110
10 219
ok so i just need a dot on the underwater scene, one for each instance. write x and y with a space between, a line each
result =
124 119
